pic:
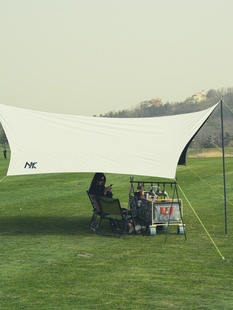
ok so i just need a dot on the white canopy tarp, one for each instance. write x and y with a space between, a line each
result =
42 142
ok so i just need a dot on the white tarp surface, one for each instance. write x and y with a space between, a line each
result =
42 142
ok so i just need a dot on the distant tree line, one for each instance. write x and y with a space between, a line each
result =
209 135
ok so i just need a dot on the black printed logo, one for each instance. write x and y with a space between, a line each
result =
31 165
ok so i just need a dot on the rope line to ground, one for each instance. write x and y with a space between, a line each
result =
227 106
3 178
210 186
211 239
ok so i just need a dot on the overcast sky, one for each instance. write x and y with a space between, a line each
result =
90 57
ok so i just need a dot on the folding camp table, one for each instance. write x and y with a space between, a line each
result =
153 207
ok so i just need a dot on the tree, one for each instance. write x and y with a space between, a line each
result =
3 138
208 143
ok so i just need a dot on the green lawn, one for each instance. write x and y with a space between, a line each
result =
50 259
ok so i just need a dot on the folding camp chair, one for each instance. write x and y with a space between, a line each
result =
117 216
96 211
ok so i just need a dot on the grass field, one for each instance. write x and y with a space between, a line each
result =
50 259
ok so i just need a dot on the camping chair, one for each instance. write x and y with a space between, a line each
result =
96 211
140 214
117 216
135 205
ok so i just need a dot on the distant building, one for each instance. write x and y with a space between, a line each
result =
198 97
153 102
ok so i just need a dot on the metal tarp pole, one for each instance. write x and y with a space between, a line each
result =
224 169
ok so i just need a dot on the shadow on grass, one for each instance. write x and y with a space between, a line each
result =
50 225
45 226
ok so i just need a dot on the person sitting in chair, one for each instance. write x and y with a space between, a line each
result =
98 188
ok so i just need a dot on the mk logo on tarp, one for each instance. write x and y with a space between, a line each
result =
166 210
31 165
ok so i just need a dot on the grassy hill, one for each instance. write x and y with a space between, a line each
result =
51 259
